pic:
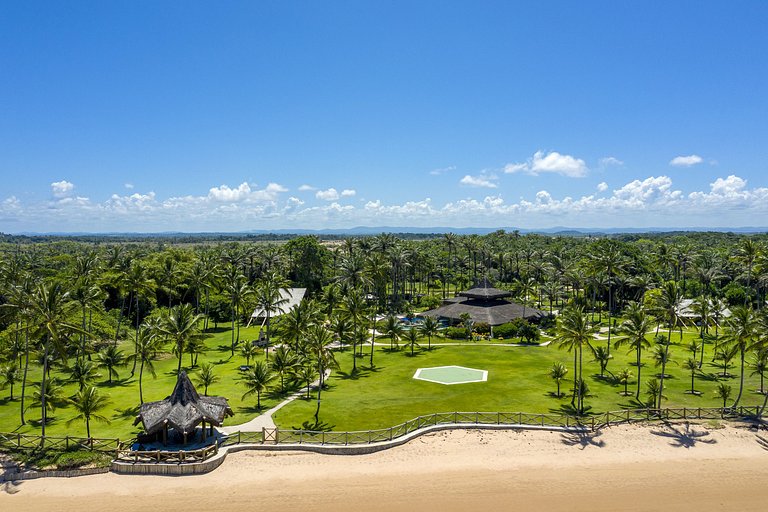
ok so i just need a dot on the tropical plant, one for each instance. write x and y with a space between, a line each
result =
248 351
624 376
206 377
83 372
759 365
9 375
741 335
692 365
180 326
394 330
88 402
429 327
412 339
284 363
111 358
557 373
653 390
723 392
602 357
256 380
575 332
636 327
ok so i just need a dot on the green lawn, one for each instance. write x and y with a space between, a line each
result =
387 394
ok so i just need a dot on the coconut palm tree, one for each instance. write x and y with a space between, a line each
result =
669 301
653 390
238 291
723 392
111 358
284 362
557 373
412 338
624 376
269 298
320 340
692 365
256 381
759 365
9 375
575 332
429 327
394 330
602 357
248 351
741 335
206 377
88 403
180 325
147 346
83 372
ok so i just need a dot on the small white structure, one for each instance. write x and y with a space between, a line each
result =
290 298
686 310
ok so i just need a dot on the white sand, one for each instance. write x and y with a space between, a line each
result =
655 467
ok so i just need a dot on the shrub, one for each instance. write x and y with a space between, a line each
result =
455 333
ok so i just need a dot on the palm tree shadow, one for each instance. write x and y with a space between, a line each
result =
127 413
762 441
634 403
685 437
357 374
319 426
708 376
582 439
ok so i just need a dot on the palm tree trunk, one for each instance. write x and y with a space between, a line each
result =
664 365
741 379
637 395
44 416
141 375
26 369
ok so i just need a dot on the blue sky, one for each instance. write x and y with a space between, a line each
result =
228 116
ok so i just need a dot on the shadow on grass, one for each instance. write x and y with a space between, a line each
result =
685 436
570 409
216 330
118 382
633 403
359 373
319 426
708 377
582 439
127 413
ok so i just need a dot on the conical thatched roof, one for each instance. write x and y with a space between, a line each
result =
183 410
483 290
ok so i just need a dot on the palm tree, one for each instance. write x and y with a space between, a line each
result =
9 375
256 380
759 365
248 350
575 332
557 373
723 392
741 335
206 377
412 337
602 356
139 284
636 326
653 390
181 326
50 307
320 340
429 327
111 358
147 347
394 330
624 376
83 372
692 365
284 362
238 290
725 355
88 403
669 301
269 298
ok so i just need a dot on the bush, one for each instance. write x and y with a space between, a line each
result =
455 333
482 328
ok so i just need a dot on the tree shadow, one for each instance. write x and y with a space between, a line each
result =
116 382
685 437
570 410
319 426
127 413
762 441
582 439
360 373
708 377
633 403
418 353
216 330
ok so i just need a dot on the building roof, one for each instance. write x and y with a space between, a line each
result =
491 312
685 309
183 410
292 296
484 290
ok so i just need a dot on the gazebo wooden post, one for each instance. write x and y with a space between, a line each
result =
165 433
202 431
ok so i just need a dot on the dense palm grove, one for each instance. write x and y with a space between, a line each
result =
85 315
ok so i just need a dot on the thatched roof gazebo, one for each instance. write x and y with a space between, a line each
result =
183 410
484 304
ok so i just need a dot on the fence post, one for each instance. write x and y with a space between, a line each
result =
238 437
263 435
66 442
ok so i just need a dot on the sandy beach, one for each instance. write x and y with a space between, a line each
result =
655 467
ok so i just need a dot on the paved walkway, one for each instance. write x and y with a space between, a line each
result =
264 420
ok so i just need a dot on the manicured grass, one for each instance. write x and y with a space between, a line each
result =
518 380
123 394
387 394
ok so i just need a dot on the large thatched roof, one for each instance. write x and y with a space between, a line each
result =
491 312
183 410
483 290
292 298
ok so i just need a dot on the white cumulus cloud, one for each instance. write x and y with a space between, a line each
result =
552 162
478 181
62 188
686 161
609 161
602 186
348 192
330 194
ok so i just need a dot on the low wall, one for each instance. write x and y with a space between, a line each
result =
31 475
152 468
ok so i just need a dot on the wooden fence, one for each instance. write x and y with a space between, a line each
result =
167 456
24 442
509 419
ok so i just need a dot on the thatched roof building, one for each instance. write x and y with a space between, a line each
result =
484 304
183 410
